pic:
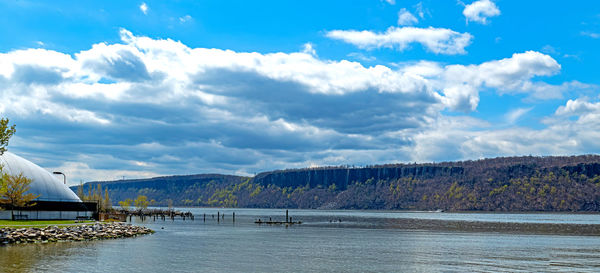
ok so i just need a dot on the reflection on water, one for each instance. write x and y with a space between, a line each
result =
37 257
362 242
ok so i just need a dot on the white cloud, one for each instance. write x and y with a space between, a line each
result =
406 18
361 56
515 114
144 8
156 104
578 107
78 171
185 18
461 84
309 48
466 138
591 34
391 2
479 11
421 10
436 40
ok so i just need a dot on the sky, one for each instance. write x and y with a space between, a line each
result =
105 90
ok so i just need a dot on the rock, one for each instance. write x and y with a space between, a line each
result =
97 231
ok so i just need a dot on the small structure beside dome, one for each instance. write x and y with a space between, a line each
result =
56 201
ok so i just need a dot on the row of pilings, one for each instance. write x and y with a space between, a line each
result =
170 214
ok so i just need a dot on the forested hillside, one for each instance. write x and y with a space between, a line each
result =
499 184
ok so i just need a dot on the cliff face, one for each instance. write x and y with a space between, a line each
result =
499 184
343 177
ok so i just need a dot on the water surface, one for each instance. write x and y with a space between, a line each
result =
364 241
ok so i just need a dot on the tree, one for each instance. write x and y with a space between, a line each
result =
5 133
80 193
2 186
98 196
15 192
125 204
107 202
141 202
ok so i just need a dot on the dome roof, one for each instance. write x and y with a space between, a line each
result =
44 183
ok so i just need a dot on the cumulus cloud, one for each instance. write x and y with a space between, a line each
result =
406 18
436 40
578 107
147 107
574 129
461 84
479 11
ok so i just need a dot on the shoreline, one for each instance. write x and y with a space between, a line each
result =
83 232
399 210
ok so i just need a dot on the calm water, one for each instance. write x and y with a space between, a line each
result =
362 242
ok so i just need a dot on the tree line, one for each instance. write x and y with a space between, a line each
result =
500 184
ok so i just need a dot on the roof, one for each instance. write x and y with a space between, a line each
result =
43 182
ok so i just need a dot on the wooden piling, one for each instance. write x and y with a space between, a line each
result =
233 216
287 219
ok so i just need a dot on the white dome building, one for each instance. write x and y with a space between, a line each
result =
44 184
55 201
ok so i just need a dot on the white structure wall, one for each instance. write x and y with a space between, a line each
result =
46 215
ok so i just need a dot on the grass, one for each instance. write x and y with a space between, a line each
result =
36 223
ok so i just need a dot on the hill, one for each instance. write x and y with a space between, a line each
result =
499 184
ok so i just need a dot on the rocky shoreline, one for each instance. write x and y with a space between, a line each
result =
97 231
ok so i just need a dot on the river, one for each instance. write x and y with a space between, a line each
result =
364 241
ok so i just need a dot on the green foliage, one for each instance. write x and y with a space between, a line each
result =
497 191
126 204
6 132
14 191
95 194
141 202
503 184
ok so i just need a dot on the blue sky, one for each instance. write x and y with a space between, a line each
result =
106 89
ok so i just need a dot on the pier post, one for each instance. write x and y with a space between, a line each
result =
286 216
218 216
233 217
205 217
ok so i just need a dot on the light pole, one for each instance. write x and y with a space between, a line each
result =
64 176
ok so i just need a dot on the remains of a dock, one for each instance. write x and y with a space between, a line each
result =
288 221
